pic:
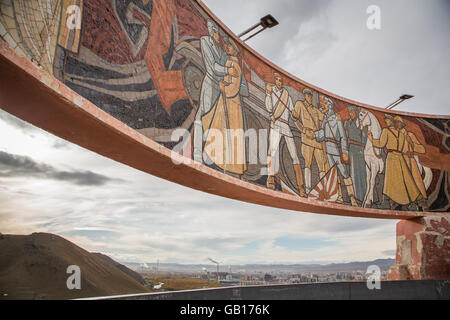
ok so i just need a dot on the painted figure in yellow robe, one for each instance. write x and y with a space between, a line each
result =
225 119
399 184
412 147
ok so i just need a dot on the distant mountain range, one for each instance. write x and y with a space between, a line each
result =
384 265
35 267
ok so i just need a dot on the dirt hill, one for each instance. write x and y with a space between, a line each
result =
136 276
34 267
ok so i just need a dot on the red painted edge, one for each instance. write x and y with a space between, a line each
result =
32 94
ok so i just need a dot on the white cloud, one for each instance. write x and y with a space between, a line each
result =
145 218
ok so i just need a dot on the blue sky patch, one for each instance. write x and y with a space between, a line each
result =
303 244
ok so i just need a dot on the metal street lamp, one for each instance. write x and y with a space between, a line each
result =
265 22
398 101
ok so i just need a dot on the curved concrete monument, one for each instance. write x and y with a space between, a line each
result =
163 86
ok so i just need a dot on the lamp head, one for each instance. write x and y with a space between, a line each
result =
406 97
269 21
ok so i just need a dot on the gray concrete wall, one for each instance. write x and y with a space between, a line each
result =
390 290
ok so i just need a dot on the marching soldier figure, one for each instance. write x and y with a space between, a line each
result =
310 118
336 146
279 105
357 139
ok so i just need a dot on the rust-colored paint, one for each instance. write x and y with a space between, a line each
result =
33 95
153 67
423 249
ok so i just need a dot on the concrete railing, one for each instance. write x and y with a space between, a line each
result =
390 290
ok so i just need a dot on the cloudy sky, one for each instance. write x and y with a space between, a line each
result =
49 185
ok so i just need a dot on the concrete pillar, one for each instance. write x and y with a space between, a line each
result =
423 249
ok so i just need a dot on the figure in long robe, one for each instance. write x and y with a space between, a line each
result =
214 59
399 184
413 147
226 117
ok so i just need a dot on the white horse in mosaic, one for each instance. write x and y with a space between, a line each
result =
374 161
372 155
425 172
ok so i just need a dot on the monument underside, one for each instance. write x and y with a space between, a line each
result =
142 81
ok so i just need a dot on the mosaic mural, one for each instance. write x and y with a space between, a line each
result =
164 67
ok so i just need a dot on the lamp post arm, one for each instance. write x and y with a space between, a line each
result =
249 29
259 31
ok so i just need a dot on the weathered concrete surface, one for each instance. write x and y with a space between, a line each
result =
390 290
140 75
423 249
35 96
